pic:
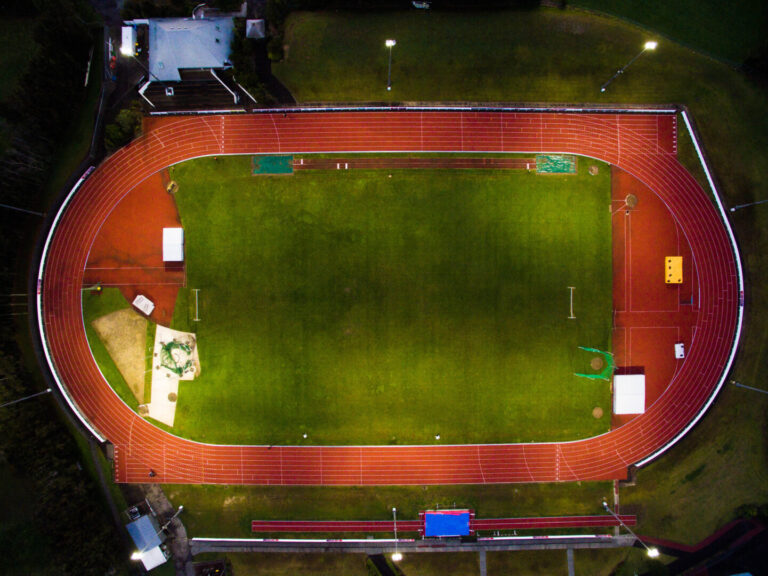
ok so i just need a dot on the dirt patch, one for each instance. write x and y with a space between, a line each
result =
124 334
233 500
597 413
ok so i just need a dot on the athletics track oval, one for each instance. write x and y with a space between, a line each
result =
625 140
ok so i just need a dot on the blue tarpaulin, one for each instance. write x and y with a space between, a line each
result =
439 523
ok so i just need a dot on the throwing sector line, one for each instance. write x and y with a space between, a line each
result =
197 315
571 289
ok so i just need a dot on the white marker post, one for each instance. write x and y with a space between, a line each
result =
571 317
197 315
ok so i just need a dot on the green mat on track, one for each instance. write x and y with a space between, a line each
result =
555 164
273 164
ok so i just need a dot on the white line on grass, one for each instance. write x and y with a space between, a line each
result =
571 317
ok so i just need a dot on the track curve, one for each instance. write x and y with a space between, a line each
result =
625 140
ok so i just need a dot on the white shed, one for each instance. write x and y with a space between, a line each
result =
128 44
173 244
144 304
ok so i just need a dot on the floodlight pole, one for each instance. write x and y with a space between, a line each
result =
389 44
46 391
652 552
650 45
396 556
41 214
171 519
740 206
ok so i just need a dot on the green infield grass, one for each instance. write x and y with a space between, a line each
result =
362 309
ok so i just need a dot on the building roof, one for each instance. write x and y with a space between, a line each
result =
144 533
179 43
255 29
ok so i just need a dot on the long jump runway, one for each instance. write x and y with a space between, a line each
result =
632 142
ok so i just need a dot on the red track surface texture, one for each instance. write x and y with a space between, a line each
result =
636 143
418 525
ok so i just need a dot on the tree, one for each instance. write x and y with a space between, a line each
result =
126 127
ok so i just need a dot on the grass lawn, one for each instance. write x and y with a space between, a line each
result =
291 564
17 47
21 541
587 562
218 511
729 31
709 463
366 310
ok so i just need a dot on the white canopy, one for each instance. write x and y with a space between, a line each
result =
173 244
629 394
152 558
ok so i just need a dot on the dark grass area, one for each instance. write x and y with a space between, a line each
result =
540 56
17 47
364 309
20 540
725 30
290 564
526 563
75 148
724 455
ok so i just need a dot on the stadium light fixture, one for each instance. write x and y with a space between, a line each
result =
650 45
389 44
396 557
652 552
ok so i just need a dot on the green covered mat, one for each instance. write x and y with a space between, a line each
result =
273 164
555 164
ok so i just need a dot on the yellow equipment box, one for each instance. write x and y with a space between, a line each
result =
673 270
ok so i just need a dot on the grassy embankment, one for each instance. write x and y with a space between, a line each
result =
726 31
17 47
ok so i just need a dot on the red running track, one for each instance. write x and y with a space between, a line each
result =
630 141
368 526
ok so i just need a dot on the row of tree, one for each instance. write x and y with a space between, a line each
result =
66 528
